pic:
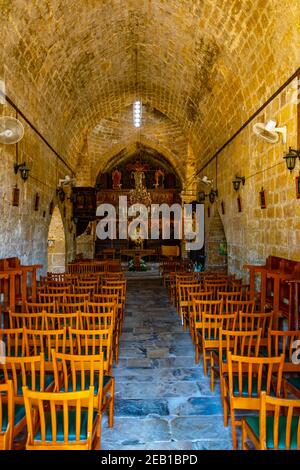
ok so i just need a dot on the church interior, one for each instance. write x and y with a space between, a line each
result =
116 332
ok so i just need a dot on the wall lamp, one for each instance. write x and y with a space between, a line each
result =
22 168
290 158
212 195
237 182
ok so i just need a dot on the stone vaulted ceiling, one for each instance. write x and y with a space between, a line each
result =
205 65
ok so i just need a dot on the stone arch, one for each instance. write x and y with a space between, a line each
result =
56 243
107 159
216 243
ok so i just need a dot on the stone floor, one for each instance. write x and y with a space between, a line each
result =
162 400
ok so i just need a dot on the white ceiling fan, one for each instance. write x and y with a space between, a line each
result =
66 180
11 129
269 132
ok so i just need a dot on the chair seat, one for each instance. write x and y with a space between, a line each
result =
60 426
19 415
49 378
106 380
295 381
253 422
245 392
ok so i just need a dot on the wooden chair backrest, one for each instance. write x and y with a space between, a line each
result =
258 368
26 370
6 402
283 342
34 307
246 306
289 408
59 277
59 321
255 321
92 342
75 298
106 298
215 287
71 307
201 307
230 295
37 404
113 290
74 372
90 289
59 289
14 341
48 298
37 341
33 321
202 295
241 343
97 321
185 289
213 323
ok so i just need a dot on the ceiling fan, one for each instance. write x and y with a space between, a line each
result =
269 132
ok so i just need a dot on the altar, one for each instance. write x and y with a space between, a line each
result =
137 254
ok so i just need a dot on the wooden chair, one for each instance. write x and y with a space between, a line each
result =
236 306
13 338
276 428
75 372
93 342
283 342
47 298
37 341
256 321
239 343
34 307
196 296
75 298
247 378
184 290
209 335
228 296
26 371
116 290
200 307
33 321
69 424
215 286
90 290
10 416
56 277
60 321
71 307
102 316
66 289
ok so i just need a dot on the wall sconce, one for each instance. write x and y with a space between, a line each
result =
22 168
290 158
61 194
237 182
212 195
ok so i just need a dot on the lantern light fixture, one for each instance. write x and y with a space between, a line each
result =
290 158
23 169
237 182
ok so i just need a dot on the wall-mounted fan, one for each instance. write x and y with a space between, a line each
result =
66 180
269 131
11 130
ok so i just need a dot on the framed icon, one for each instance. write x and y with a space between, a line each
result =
36 202
208 212
239 204
262 198
51 208
16 197
298 187
223 207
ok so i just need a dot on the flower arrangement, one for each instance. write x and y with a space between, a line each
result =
131 265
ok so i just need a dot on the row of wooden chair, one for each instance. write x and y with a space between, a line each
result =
68 403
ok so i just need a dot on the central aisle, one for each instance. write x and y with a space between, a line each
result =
162 399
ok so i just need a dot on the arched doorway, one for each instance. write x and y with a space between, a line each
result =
216 244
56 244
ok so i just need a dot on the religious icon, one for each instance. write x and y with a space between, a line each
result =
116 179
36 202
223 207
298 187
239 203
16 196
262 197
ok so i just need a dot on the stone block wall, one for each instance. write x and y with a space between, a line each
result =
24 231
255 233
